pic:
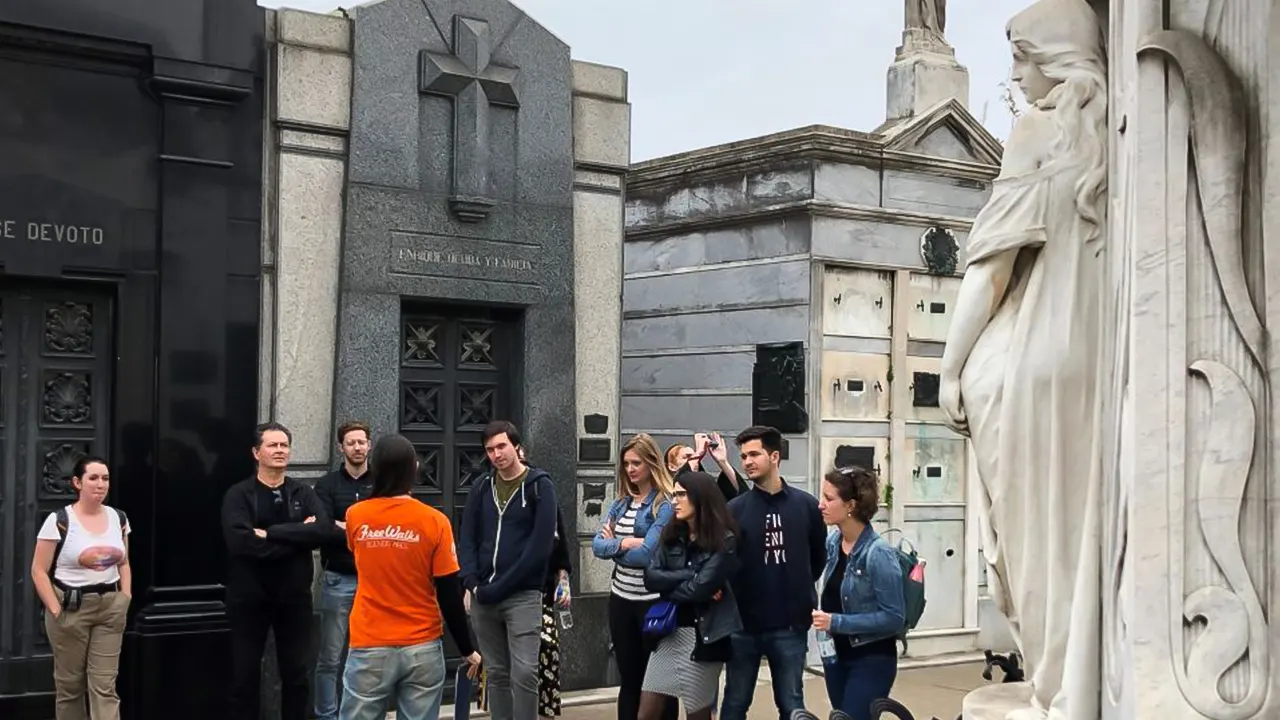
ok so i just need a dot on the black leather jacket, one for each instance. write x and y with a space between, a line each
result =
685 574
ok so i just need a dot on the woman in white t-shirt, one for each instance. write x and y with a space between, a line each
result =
85 586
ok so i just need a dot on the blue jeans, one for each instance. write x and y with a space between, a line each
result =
852 685
337 593
409 679
786 651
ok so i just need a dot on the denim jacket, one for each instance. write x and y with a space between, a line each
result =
871 594
647 527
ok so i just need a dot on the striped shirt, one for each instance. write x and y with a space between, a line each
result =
628 583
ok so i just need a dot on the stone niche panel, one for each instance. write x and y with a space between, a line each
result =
720 196
916 192
932 299
857 302
922 378
594 498
855 386
938 470
594 574
942 544
856 451
771 239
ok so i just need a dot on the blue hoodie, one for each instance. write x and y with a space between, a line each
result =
502 553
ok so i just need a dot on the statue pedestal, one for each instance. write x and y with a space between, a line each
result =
924 73
1007 701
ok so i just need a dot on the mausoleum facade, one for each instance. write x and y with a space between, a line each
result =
805 280
442 247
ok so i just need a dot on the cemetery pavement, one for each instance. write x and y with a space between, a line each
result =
928 692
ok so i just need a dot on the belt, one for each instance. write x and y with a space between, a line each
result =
99 589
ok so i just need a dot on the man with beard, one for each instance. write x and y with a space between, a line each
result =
783 553
339 490
271 524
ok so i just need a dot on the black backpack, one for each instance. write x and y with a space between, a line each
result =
912 567
61 520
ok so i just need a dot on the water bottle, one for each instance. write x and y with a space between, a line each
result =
562 590
826 645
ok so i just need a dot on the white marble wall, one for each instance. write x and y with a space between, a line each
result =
1191 522
602 153
307 124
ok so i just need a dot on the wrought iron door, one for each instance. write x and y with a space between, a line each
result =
456 367
455 371
55 406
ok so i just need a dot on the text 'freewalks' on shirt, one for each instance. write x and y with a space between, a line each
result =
401 545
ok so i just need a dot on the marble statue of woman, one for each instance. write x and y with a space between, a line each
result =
1021 370
928 15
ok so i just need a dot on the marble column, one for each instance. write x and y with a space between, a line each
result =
1190 577
302 238
602 154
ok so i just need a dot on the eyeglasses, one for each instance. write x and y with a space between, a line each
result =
277 498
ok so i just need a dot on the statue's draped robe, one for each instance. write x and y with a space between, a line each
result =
1030 388
927 15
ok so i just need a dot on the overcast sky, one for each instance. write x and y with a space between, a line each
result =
703 72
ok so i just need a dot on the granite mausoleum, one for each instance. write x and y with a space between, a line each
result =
445 208
805 280
130 218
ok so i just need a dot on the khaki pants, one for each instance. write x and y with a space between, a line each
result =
86 656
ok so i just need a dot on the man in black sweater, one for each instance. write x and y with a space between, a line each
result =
339 490
271 524
782 548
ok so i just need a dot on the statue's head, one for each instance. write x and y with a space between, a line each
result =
1056 42
1060 63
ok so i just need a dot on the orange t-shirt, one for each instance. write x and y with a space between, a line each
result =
401 545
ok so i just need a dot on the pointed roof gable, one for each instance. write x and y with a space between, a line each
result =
946 130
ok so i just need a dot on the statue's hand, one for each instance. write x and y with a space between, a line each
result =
952 407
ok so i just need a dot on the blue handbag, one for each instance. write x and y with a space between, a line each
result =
660 620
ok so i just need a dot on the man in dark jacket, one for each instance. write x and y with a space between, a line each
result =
508 532
339 490
783 552
271 524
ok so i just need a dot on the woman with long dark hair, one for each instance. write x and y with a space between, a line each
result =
697 612
81 573
862 609
409 588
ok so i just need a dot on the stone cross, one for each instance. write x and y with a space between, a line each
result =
473 84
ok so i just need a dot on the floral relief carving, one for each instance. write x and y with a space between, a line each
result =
421 342
68 399
59 461
429 467
420 404
475 344
68 328
472 465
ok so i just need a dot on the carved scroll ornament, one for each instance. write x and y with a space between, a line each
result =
1234 622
